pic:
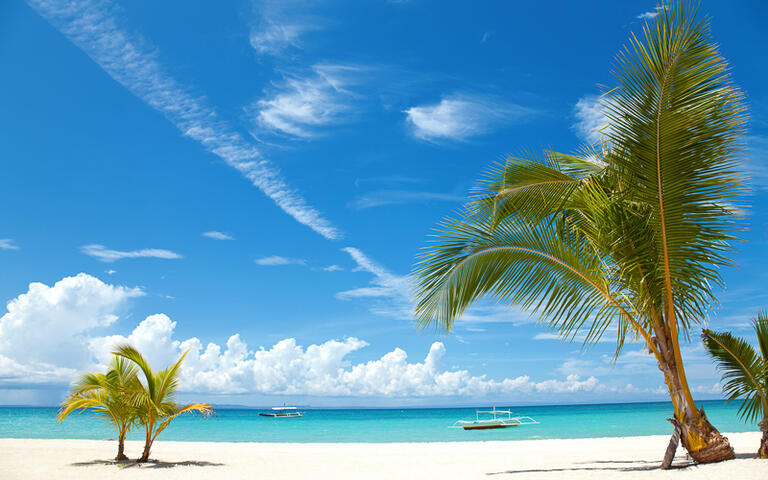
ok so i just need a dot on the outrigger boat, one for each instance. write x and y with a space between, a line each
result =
282 412
499 419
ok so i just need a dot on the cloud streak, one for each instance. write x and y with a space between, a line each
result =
103 254
394 197
276 260
460 117
7 244
129 61
218 235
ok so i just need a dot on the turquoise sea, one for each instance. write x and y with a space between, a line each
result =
379 425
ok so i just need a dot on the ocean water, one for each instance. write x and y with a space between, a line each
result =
380 425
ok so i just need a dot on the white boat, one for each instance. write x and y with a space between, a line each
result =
282 412
497 419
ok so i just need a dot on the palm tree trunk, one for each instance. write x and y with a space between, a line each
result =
121 446
147 445
702 441
762 452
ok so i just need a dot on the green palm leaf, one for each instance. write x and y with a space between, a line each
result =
744 372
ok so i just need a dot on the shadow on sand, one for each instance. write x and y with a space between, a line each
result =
150 464
616 465
607 465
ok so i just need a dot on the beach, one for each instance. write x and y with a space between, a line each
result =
594 458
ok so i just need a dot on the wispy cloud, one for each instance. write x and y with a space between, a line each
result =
276 260
460 117
589 118
110 271
757 161
7 244
102 253
333 268
392 197
273 38
305 103
651 14
131 62
218 235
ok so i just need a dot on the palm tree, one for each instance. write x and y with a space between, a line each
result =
107 395
626 236
155 397
746 372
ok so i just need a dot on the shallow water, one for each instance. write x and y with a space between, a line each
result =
385 425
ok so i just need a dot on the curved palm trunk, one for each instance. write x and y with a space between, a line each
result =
121 446
762 452
147 444
701 439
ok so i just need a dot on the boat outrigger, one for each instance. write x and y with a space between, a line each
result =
282 412
499 419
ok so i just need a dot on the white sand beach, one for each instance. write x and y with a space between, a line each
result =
629 457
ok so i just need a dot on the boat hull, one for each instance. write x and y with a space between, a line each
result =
486 427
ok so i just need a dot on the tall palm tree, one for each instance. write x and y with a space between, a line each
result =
108 396
155 397
626 236
745 372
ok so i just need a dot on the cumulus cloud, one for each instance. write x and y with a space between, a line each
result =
132 62
589 118
44 329
460 117
102 253
304 104
218 235
7 244
287 368
276 260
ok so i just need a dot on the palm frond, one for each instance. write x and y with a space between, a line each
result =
675 126
743 372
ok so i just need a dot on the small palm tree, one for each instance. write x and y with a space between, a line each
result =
627 236
154 397
108 396
745 373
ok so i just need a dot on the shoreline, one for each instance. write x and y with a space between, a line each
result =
592 458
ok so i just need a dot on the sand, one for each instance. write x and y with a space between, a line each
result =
594 458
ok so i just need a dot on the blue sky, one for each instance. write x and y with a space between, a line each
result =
271 169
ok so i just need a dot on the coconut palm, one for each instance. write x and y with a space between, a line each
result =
745 372
154 398
626 236
108 396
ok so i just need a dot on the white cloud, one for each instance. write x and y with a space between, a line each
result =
394 197
460 117
110 272
589 118
104 254
273 38
333 268
218 235
44 329
391 295
7 244
757 162
651 14
278 260
287 368
302 105
131 62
